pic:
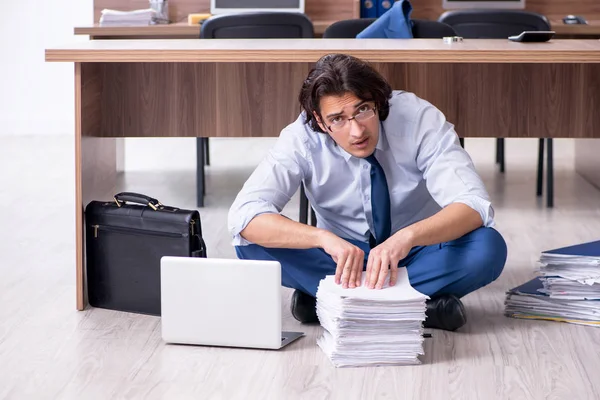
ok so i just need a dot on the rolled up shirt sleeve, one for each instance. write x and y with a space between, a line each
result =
447 168
271 185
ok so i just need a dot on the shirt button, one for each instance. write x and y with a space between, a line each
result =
365 167
366 197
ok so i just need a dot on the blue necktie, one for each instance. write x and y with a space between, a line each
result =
380 203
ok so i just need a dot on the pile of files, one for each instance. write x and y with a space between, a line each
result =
371 327
127 18
567 290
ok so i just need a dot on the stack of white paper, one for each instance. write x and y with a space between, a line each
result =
562 288
529 301
370 327
567 290
570 277
126 18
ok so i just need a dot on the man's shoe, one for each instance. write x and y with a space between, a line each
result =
304 307
445 312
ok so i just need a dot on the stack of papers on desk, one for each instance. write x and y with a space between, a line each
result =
126 18
370 327
567 290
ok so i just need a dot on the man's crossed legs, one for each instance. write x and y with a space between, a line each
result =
445 272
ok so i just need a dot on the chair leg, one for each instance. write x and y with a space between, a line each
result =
462 142
500 153
206 152
200 191
540 168
303 206
550 176
313 217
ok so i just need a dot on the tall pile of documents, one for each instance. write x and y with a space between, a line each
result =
567 290
126 18
370 327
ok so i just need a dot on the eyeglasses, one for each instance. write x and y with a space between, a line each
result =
365 112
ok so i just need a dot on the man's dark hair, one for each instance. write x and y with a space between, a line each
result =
336 74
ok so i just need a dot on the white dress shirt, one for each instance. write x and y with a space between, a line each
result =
425 167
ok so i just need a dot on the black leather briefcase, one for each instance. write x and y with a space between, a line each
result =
125 240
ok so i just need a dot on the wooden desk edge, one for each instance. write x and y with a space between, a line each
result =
294 56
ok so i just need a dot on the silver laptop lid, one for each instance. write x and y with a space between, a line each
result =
221 302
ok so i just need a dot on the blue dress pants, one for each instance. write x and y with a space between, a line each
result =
457 267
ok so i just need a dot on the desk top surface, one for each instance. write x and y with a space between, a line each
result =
310 50
182 28
591 28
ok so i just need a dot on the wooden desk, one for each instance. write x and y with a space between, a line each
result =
566 31
181 30
234 88
177 30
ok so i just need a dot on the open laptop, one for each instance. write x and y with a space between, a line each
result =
222 302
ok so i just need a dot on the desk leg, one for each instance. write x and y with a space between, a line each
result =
550 175
200 161
540 168
95 161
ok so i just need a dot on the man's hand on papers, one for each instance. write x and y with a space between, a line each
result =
384 259
349 258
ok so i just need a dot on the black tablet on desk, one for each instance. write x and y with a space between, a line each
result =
533 36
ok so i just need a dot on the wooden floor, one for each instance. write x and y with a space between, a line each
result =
48 350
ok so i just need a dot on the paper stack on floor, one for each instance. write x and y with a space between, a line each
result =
572 272
528 302
126 18
370 327
568 289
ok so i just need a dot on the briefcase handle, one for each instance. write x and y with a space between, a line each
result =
121 198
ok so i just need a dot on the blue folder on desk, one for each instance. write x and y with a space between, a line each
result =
383 6
368 8
589 249
394 24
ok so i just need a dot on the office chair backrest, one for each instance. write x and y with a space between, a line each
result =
421 28
424 29
347 28
493 24
260 25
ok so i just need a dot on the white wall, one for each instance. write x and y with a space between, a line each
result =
165 154
37 97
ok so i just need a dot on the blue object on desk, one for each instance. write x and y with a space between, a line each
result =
383 6
394 24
